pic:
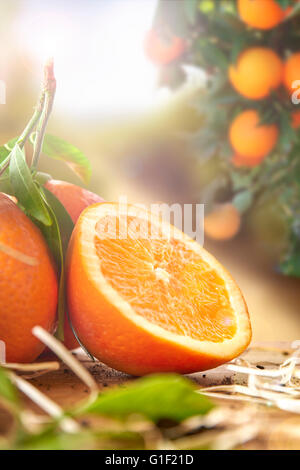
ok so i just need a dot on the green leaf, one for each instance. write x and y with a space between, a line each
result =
59 149
243 200
241 179
237 47
53 439
7 390
64 220
212 54
284 3
165 396
11 143
6 148
295 12
4 152
25 189
291 265
52 235
5 186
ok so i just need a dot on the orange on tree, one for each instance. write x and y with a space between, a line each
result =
251 139
258 71
28 284
261 14
223 222
163 50
146 298
292 71
74 199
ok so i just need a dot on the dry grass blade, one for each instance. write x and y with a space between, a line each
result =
271 386
219 439
45 403
37 366
59 349
30 371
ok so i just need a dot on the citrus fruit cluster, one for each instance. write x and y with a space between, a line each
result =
250 52
258 72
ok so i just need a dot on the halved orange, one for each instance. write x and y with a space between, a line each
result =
144 297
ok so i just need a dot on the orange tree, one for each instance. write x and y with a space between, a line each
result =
250 134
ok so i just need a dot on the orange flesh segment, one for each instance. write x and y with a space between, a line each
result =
166 283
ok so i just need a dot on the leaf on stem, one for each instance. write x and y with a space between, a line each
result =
25 189
64 220
59 149
52 235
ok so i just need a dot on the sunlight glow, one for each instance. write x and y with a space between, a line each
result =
98 51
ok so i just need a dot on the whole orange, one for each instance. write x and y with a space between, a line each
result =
261 14
161 50
74 199
258 71
223 223
292 71
251 139
28 284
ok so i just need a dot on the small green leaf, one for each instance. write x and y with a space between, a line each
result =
243 200
25 189
7 390
165 396
5 186
64 220
52 235
291 265
4 152
11 143
212 54
59 149
54 439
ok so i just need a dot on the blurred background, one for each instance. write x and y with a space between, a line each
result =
152 111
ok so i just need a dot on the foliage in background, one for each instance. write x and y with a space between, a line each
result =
215 36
